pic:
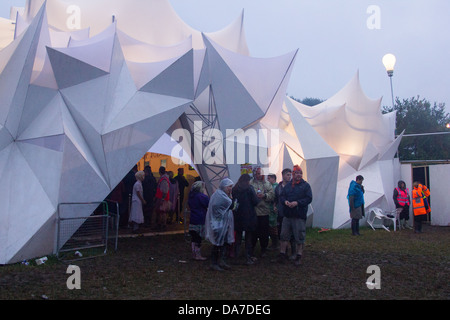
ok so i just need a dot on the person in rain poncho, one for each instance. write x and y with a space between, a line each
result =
219 224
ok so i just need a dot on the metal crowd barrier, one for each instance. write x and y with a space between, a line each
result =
80 236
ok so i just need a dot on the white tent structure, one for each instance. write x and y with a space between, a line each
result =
86 91
363 138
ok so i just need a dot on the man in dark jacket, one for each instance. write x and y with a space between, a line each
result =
182 184
149 186
295 197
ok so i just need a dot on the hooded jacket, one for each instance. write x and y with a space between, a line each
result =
356 191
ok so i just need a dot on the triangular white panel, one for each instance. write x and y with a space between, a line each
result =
5 137
45 77
23 219
36 101
15 78
45 155
288 162
229 94
127 144
313 145
392 149
119 94
204 78
4 203
88 100
47 123
55 143
73 133
261 77
177 80
70 71
144 105
79 172
199 56
322 175
93 140
369 156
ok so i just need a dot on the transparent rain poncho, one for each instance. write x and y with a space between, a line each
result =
219 223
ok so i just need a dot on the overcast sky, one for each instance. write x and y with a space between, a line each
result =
336 39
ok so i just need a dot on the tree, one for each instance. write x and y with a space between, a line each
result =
417 116
308 101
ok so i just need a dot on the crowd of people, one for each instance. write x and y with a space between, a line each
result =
145 201
402 200
254 209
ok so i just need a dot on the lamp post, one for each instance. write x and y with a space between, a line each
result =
389 63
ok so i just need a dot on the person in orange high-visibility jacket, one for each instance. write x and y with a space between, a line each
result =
419 203
426 194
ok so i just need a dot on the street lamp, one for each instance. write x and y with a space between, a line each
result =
389 63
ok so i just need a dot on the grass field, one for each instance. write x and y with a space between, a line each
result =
413 266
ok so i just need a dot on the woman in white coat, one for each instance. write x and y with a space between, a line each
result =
137 201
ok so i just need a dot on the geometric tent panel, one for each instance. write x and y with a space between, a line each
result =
71 71
21 219
87 100
46 123
169 82
38 158
39 100
78 173
145 105
230 94
261 77
391 150
5 137
126 145
369 156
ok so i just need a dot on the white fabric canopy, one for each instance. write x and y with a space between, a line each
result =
79 107
354 127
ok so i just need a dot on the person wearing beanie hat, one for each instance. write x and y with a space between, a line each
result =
296 169
295 198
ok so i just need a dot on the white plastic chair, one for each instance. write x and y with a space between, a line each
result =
394 215
377 214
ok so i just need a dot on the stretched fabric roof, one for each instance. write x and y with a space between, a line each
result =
354 127
80 107
158 24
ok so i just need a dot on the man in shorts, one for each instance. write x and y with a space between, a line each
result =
295 198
